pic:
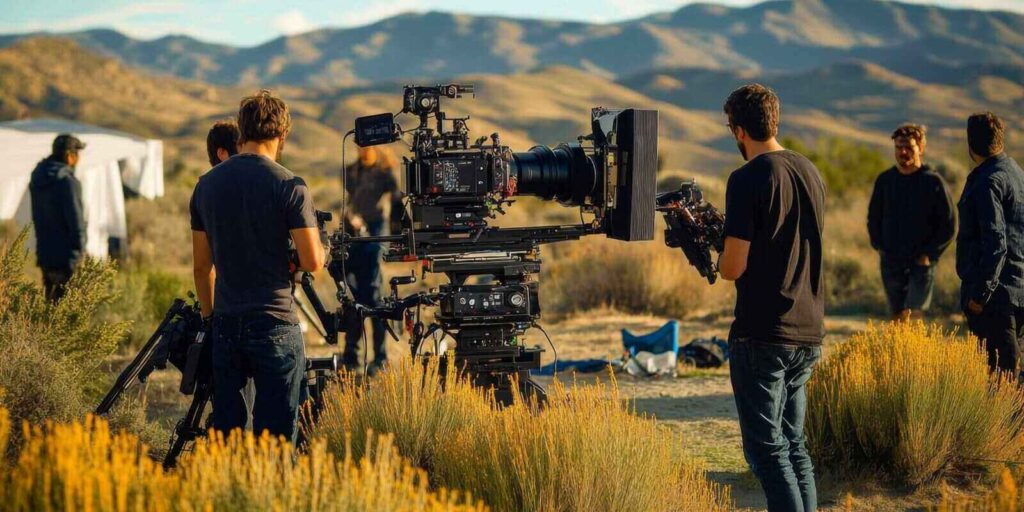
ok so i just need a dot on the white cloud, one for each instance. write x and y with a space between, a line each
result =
293 22
378 11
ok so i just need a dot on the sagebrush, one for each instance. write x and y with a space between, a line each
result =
53 353
911 403
84 466
583 451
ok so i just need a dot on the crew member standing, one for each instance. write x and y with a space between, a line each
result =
775 207
222 141
370 182
990 246
57 214
244 211
911 222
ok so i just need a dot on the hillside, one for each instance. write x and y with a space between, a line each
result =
47 77
858 99
780 35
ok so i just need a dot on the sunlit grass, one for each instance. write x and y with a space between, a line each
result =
583 451
911 403
83 466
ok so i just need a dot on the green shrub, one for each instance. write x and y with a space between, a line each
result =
52 353
142 299
910 403
583 451
846 167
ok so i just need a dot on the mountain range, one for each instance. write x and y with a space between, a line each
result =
844 68
777 35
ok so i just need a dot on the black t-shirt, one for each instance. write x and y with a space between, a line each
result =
247 205
777 203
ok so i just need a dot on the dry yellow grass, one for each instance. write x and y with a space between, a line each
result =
83 466
910 403
1006 496
630 277
583 451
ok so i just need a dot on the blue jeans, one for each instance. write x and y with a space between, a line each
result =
768 381
364 278
270 352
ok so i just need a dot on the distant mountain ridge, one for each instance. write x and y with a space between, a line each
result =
774 36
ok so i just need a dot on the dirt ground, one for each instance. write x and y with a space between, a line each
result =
697 403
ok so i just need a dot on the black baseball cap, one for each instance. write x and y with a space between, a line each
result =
66 142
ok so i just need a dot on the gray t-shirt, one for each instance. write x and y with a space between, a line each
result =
247 205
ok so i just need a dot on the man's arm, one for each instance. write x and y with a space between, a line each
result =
733 261
302 226
203 271
991 243
875 216
942 220
309 248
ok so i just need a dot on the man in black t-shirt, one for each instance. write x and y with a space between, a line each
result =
911 222
244 211
775 207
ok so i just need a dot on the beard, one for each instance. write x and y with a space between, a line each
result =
743 150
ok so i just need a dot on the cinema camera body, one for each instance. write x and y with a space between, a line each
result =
454 188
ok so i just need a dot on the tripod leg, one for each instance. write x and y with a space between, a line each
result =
188 429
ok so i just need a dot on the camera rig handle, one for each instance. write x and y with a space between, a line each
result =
695 226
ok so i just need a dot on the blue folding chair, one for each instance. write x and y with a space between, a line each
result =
665 339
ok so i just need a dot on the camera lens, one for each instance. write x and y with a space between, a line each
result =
564 173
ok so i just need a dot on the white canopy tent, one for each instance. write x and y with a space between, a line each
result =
111 162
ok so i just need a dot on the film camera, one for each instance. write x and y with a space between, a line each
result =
454 187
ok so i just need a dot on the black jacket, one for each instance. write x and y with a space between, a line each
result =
990 247
911 215
57 215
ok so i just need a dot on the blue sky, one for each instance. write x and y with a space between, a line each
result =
249 22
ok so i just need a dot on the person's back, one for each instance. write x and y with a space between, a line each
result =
774 211
57 214
990 246
244 211
780 296
247 205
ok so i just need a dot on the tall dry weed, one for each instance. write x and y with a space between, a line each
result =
912 403
583 451
84 466
1005 496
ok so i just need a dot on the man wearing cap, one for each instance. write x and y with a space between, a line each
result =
57 214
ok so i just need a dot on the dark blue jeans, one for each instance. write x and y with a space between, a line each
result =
768 381
907 284
270 352
363 276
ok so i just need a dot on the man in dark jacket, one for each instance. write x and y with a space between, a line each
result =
911 223
990 247
57 214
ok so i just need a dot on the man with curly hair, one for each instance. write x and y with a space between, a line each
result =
911 222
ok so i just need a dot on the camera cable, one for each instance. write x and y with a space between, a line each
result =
554 351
